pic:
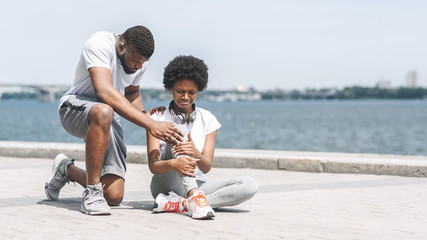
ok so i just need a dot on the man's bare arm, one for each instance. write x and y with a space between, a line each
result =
133 95
106 93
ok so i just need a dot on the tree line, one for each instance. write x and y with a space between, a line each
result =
354 92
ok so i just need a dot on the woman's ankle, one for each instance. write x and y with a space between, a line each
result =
191 192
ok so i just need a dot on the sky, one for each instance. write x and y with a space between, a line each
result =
286 44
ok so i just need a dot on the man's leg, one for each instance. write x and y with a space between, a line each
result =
76 174
86 118
113 185
102 128
97 140
74 117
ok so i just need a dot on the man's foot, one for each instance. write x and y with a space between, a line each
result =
198 207
169 203
93 202
58 178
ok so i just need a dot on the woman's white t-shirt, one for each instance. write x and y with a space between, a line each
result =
204 123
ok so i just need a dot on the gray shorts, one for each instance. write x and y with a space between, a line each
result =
74 113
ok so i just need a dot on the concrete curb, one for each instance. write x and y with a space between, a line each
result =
409 166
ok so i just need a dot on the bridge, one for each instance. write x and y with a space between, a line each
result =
46 93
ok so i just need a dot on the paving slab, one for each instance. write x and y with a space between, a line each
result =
289 205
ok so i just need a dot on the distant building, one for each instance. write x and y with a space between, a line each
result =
233 97
240 88
384 84
412 79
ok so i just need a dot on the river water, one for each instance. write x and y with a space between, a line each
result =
355 126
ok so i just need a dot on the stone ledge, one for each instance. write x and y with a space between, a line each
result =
410 166
300 165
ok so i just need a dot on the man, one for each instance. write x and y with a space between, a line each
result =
106 85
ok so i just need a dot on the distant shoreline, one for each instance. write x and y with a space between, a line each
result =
251 94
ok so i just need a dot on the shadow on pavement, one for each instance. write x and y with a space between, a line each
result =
74 204
67 203
231 210
146 205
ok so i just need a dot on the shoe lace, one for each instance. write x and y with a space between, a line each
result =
172 206
200 200
99 193
95 195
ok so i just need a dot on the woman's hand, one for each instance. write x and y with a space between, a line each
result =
156 110
187 148
185 165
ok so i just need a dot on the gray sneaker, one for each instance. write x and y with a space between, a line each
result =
93 202
58 178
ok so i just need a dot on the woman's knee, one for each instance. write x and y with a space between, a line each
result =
251 185
163 183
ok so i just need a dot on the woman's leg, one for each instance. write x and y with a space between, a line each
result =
172 181
163 183
170 191
229 192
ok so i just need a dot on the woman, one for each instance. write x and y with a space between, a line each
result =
179 183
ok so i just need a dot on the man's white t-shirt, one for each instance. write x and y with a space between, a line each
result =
100 51
204 123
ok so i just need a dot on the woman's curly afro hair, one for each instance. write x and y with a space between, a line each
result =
186 67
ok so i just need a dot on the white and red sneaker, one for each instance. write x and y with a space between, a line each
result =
169 203
198 207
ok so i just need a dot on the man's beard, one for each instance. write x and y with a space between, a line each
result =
125 67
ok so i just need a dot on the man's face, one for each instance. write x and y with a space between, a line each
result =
131 60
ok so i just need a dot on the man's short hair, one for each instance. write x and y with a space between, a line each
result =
186 67
141 39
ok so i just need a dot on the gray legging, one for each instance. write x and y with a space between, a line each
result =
226 192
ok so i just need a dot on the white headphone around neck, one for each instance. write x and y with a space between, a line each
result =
181 118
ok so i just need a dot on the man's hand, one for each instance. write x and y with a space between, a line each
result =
166 131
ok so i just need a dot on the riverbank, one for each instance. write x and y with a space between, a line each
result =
320 162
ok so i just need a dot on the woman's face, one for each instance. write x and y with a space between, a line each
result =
184 93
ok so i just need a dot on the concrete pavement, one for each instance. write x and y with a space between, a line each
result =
289 205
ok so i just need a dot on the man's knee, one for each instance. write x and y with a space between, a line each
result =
101 114
113 198
113 189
